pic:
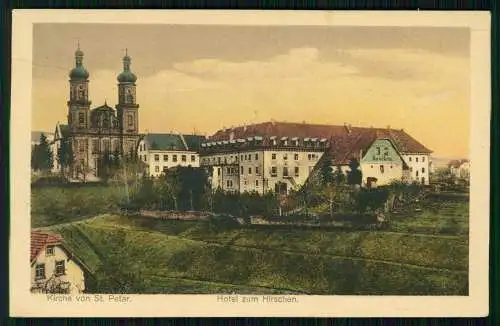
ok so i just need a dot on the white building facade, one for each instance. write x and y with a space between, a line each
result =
161 152
279 156
53 267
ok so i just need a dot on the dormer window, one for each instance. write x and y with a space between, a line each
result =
49 251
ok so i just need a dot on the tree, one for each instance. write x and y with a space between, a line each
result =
41 159
326 170
339 176
65 155
354 176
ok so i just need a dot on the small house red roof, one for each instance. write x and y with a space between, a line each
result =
40 240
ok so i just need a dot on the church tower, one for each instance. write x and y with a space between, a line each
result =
127 107
78 104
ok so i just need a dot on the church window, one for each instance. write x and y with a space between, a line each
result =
174 158
95 146
81 118
116 145
241 170
130 120
183 158
157 157
105 122
81 147
106 144
218 171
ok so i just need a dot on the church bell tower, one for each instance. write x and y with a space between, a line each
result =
127 107
78 104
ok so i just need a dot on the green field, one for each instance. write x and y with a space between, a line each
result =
423 254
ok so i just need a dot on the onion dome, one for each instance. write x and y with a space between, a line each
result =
79 72
126 76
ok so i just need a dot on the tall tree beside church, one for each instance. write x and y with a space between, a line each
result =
326 169
42 155
65 155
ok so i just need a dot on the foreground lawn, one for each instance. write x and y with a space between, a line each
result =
201 257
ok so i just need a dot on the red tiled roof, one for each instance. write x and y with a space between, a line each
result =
345 142
40 239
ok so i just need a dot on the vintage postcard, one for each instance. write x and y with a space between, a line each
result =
225 163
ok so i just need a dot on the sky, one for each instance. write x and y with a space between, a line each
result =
201 78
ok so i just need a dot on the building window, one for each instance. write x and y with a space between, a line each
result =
409 158
95 146
274 142
273 156
145 158
60 268
416 159
423 158
242 157
382 169
193 158
81 146
378 150
296 171
423 170
106 145
81 118
174 158
257 170
386 152
49 251
218 171
229 183
285 156
165 168
285 171
417 174
157 157
274 171
40 271
241 170
165 157
249 170
116 145
256 157
157 169
256 183
296 157
130 120
183 158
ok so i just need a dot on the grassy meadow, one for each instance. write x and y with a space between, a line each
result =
422 254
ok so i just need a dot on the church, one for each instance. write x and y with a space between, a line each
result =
103 129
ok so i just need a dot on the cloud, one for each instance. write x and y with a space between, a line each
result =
414 90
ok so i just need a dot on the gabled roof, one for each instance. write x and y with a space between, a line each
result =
194 141
346 142
40 240
104 107
165 141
